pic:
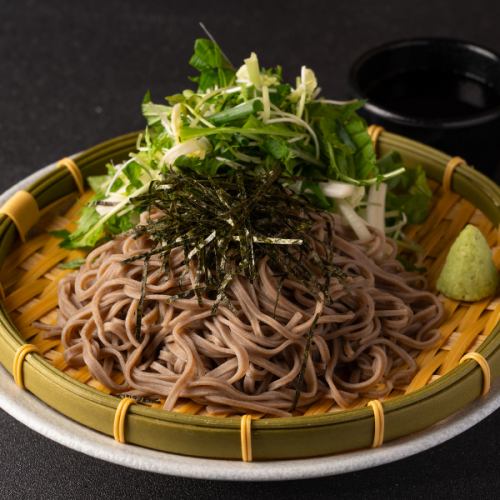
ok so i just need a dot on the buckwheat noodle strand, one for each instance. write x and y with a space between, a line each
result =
247 357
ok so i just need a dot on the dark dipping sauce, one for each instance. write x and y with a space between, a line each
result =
434 95
442 92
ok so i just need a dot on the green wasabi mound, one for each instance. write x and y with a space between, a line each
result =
469 272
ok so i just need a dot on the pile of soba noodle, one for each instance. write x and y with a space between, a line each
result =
247 357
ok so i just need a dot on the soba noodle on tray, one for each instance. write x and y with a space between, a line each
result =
245 257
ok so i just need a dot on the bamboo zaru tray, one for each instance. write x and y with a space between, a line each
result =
442 386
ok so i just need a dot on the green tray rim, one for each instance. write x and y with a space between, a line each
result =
272 438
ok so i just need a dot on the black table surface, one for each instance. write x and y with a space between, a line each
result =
74 73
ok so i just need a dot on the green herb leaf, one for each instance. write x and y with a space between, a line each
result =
192 132
238 112
118 224
60 233
206 167
408 192
345 142
215 69
98 183
389 163
276 147
133 173
72 264
87 233
153 112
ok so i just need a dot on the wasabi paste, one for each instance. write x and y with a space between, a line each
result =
469 272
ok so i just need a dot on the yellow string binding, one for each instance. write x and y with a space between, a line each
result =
246 438
374 132
75 171
481 361
119 421
17 365
449 170
379 422
23 210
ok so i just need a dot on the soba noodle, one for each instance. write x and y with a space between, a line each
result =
248 354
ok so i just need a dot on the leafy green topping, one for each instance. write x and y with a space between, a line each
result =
89 231
153 112
215 70
98 182
248 121
344 142
409 192
72 264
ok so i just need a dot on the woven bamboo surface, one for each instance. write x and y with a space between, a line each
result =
31 272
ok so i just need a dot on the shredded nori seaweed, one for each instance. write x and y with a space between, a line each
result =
140 306
226 223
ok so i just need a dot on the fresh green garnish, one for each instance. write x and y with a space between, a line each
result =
409 192
72 264
243 126
215 70
244 119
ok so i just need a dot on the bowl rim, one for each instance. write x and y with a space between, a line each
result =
414 121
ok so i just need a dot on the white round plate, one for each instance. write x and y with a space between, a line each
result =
32 412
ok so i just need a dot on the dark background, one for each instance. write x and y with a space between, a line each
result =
74 73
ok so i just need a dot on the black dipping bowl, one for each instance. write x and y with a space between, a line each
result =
442 92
